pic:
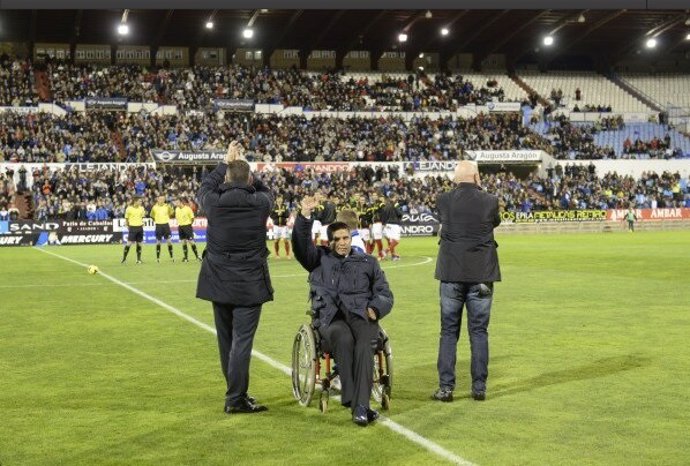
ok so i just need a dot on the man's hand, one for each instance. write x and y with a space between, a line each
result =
307 205
371 313
234 152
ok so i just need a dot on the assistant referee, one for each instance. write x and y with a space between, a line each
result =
134 219
161 213
185 218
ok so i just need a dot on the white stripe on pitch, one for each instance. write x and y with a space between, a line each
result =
394 426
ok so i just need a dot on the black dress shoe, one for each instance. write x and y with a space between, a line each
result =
245 406
479 395
360 416
372 415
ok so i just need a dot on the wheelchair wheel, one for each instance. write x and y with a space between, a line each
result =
383 371
304 354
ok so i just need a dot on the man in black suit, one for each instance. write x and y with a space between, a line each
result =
234 272
467 268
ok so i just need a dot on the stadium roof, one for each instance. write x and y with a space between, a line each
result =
598 35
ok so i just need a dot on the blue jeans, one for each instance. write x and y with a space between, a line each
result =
477 298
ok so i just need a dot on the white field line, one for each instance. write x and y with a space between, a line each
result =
426 260
394 426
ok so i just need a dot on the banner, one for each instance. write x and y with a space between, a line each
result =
505 156
653 215
106 103
420 229
430 166
503 106
424 224
234 105
20 110
30 233
319 167
199 226
554 216
188 157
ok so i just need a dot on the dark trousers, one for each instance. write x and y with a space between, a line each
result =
477 298
235 326
352 341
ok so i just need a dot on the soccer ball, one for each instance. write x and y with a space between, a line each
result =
92 269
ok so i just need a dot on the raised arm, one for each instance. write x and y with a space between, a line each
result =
208 194
305 252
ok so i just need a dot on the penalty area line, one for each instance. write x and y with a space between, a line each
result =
385 421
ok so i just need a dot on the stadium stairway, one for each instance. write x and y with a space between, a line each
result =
615 79
43 86
24 203
516 79
116 137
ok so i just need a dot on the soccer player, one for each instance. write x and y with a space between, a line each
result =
365 216
185 218
391 215
134 219
161 213
280 216
377 227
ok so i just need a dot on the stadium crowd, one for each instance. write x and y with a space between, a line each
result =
109 136
105 136
16 82
105 193
197 87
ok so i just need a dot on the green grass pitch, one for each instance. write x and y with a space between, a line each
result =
589 362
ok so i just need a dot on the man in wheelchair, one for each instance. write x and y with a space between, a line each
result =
349 295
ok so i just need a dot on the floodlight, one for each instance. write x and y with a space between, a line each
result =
402 37
651 43
209 24
548 41
444 31
123 29
248 33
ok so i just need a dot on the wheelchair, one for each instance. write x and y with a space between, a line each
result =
312 365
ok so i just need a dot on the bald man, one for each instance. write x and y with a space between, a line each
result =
467 268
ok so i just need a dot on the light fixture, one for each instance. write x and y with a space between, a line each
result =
421 55
651 43
428 14
209 24
444 31
123 28
264 10
688 36
548 41
402 37
581 18
248 33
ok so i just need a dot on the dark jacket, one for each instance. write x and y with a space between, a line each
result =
391 213
235 267
467 251
352 284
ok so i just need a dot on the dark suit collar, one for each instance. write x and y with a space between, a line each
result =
244 186
467 185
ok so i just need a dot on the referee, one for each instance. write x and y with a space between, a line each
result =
185 217
161 213
134 219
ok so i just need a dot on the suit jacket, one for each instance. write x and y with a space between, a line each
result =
467 251
351 284
235 267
